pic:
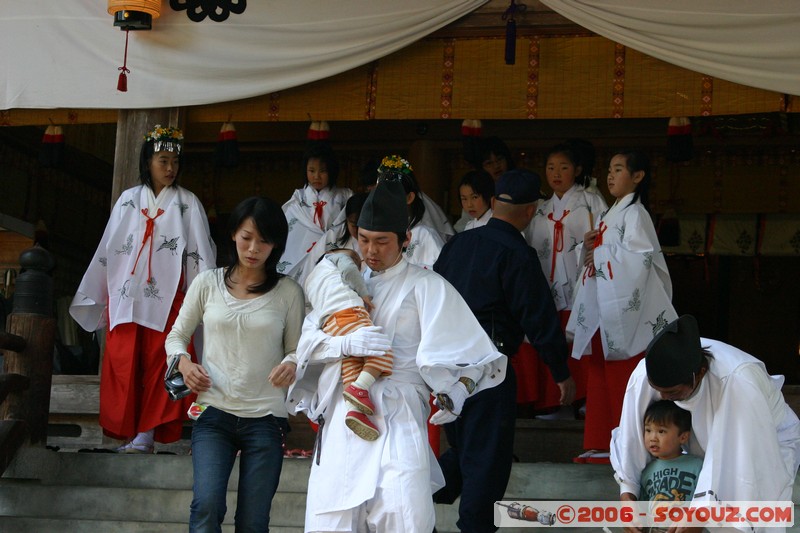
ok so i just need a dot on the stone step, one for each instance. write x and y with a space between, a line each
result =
47 491
53 525
151 505
112 470
37 466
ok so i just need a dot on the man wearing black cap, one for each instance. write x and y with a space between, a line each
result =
499 276
748 435
385 485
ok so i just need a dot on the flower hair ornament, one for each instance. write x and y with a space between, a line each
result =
167 139
394 167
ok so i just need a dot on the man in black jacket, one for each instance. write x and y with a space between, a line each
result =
500 278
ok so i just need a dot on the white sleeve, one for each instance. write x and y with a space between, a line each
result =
189 317
628 453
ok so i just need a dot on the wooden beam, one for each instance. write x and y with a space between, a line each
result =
487 21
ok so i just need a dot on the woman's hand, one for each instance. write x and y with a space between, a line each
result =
282 375
194 376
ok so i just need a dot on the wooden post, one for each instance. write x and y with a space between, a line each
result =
31 320
36 362
426 160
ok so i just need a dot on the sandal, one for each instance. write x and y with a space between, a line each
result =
130 447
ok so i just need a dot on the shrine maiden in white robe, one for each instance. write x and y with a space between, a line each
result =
629 297
480 221
558 228
435 218
137 281
424 247
309 213
435 339
328 242
741 425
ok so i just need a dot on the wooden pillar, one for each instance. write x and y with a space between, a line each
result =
31 319
35 362
132 124
429 169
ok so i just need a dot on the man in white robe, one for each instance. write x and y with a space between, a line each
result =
742 427
387 484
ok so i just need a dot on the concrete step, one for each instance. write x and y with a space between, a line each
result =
45 491
152 505
162 471
46 468
50 525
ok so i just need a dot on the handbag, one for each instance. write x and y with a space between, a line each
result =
173 381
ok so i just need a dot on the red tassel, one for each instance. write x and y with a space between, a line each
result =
226 152
319 131
471 128
122 82
52 146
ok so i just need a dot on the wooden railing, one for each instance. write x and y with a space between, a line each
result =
28 346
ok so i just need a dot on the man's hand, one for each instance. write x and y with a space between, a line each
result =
628 497
442 417
368 341
450 405
567 388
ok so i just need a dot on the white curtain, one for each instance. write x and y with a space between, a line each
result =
754 43
65 53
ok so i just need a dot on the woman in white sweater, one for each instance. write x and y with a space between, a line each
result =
252 317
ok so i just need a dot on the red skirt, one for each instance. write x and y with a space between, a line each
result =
535 384
605 392
132 394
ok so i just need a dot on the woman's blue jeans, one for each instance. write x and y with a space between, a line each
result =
216 438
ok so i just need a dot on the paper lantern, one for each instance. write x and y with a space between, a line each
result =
134 14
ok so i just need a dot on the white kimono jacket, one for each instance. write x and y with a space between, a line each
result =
741 425
326 243
629 297
576 211
309 213
435 339
480 221
435 218
137 281
424 248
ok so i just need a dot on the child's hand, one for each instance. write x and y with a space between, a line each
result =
368 305
588 245
589 238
